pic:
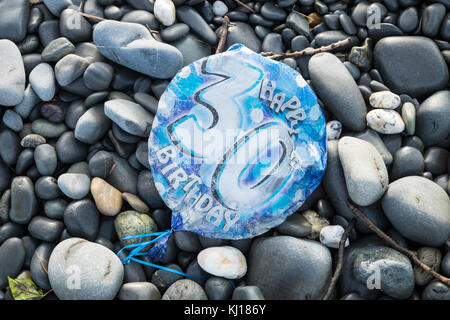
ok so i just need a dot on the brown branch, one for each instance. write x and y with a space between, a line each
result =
112 169
245 6
337 271
410 254
35 1
306 52
87 15
223 35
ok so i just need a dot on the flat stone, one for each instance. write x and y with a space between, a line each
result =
100 270
336 88
399 58
136 49
48 129
45 229
12 72
82 219
129 116
69 68
24 204
135 202
174 32
298 23
366 176
92 125
194 20
419 209
73 185
224 261
42 80
14 15
384 100
107 198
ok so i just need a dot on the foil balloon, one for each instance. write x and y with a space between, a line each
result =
237 145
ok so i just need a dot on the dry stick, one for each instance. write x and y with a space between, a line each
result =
224 34
306 52
337 271
245 6
87 15
411 254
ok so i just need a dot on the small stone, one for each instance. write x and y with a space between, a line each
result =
82 219
174 32
74 185
98 76
48 129
28 102
129 116
107 198
432 17
409 117
92 125
57 49
185 289
45 159
218 288
24 204
131 223
74 26
384 100
334 129
432 257
227 262
69 149
45 229
12 72
100 270
436 160
57 6
408 20
298 23
12 120
14 17
219 8
194 20
13 253
385 121
408 161
362 56
247 293
139 291
331 236
164 11
69 68
39 265
436 290
317 223
135 202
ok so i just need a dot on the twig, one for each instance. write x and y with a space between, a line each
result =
87 15
411 254
303 15
112 169
224 34
245 6
35 1
42 264
306 52
337 271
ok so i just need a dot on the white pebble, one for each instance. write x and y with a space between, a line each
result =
226 262
334 129
385 121
164 11
409 117
384 100
220 8
332 235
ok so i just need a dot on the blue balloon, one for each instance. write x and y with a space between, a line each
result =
237 145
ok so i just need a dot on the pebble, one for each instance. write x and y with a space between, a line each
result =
139 291
45 159
242 33
74 26
385 121
13 253
436 290
30 99
408 161
225 261
219 8
334 129
130 223
432 17
432 257
436 160
135 202
82 219
129 116
100 271
74 185
24 204
185 289
46 188
303 274
12 73
45 229
39 265
69 68
192 49
247 293
69 149
174 32
415 199
98 76
54 209
107 198
12 120
57 49
295 225
57 6
298 23
92 125
164 11
136 49
375 140
408 19
409 117
384 100
366 176
218 288
336 88
14 17
399 58
330 236
52 112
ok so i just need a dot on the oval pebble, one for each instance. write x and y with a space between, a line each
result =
227 262
385 121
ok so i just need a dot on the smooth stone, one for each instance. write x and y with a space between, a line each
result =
73 185
399 58
45 159
445 265
24 204
409 117
272 42
330 236
374 139
135 202
142 17
304 273
384 100
5 204
295 225
164 11
218 288
347 24
219 8
272 12
242 33
191 48
49 31
74 26
39 265
432 257
28 102
107 198
187 241
69 68
436 160
82 219
130 223
100 270
436 290
79 168
57 6
298 23
139 291
46 188
330 78
12 120
330 36
10 230
10 150
57 49
100 164
385 121
408 20
14 16
413 141
12 73
92 7
45 229
136 49
334 129
75 110
98 76
378 31
408 161
185 289
299 43
13 253
316 223
54 209
53 112
432 125
89 51
92 125
163 279
445 28
224 261
247 293
332 21
129 116
174 32
125 178
48 129
395 270
354 71
29 44
366 176
419 209
432 17
69 149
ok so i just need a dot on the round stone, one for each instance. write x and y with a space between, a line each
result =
164 11
107 198
74 185
385 121
130 223
82 219
331 236
42 80
409 117
334 129
384 100
45 159
227 262
185 289
432 257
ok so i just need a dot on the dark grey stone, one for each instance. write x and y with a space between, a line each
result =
408 161
82 219
436 160
187 241
45 229
69 149
408 19
23 200
46 188
218 288
39 265
14 15
197 24
13 253
432 17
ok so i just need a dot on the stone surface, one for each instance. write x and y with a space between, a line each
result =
185 289
129 116
385 121
74 185
14 15
384 100
82 219
164 11
107 198
92 125
13 253
225 261
23 200
12 72
331 236
130 223
42 80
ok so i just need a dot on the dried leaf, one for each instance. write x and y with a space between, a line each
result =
24 289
